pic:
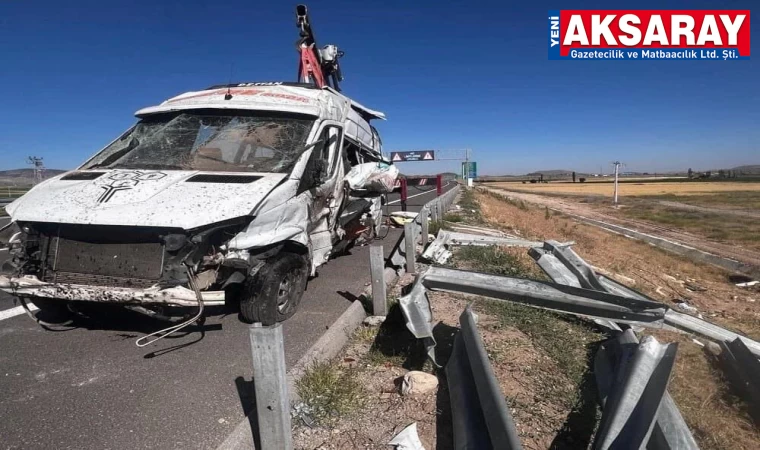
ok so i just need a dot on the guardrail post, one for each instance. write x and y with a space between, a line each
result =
434 211
404 194
377 268
424 225
271 386
409 246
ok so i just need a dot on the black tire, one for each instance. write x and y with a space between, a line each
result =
51 310
274 293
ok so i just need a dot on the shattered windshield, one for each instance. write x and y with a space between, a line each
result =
189 141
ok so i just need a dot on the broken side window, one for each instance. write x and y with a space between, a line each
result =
323 160
351 155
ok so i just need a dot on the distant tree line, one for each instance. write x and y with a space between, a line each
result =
721 173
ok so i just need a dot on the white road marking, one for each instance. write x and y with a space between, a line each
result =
3 249
17 311
415 195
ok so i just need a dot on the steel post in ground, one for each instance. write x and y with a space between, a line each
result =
438 185
424 225
409 246
433 211
377 269
404 194
271 386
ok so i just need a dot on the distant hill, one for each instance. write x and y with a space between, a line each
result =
24 177
551 173
751 169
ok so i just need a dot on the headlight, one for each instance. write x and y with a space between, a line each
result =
174 242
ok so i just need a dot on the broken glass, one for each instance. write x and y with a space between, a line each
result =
206 142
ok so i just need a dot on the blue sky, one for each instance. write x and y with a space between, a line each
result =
449 75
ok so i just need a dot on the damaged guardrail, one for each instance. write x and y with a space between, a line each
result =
434 209
612 303
637 410
438 250
562 298
743 372
564 266
480 415
632 376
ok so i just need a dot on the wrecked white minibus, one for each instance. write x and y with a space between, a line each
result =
233 192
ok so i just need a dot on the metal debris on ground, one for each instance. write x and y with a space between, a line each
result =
742 369
407 439
542 294
686 307
479 412
438 250
632 376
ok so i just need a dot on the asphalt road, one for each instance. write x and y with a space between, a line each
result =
90 387
417 196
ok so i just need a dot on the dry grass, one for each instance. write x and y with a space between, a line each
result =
697 387
330 392
684 188
738 230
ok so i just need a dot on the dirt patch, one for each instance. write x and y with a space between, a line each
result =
378 358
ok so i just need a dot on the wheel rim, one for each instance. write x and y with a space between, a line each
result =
287 284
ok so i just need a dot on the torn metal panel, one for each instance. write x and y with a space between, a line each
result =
611 362
575 264
437 251
546 295
419 317
407 439
631 407
692 324
742 369
553 267
480 414
456 238
281 217
559 273
564 272
464 228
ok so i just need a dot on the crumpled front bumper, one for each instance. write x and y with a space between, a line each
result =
31 286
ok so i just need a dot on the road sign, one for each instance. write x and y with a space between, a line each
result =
469 169
422 155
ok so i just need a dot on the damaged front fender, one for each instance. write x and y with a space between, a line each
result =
276 221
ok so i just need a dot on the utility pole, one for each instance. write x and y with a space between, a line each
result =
617 165
38 167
